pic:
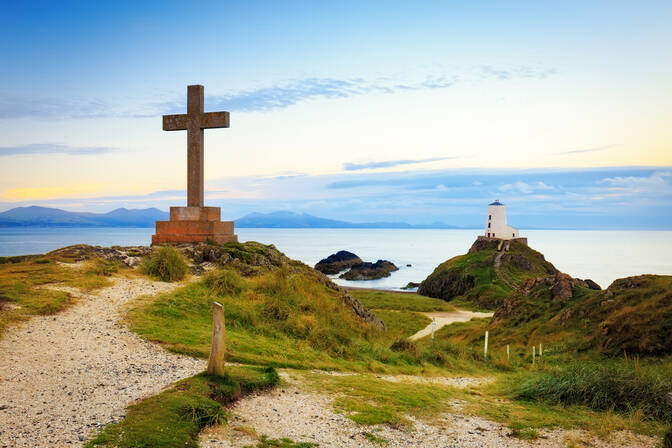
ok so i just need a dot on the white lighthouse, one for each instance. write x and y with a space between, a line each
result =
495 224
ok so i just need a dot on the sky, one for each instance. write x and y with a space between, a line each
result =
362 111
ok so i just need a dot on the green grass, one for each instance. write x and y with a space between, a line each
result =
617 385
175 417
266 442
388 300
667 439
498 402
283 318
402 323
368 400
371 437
23 293
166 264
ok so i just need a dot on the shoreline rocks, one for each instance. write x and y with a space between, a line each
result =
338 262
370 271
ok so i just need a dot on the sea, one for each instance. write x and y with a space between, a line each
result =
600 255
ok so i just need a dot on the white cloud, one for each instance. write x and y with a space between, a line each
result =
524 187
654 182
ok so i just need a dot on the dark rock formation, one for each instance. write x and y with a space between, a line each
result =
362 311
411 285
448 285
562 288
335 263
482 244
592 285
370 271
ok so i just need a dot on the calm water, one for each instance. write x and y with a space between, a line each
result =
601 255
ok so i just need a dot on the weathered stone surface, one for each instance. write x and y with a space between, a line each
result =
562 288
370 271
337 262
195 214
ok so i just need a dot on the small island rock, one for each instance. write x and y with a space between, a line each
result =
335 263
370 271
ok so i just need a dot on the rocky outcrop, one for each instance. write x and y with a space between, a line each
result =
592 285
362 311
370 271
338 262
129 255
447 285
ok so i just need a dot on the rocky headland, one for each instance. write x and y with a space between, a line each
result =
530 296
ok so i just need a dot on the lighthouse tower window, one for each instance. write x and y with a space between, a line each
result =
488 225
489 217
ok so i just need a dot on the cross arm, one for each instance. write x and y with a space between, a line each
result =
211 120
174 122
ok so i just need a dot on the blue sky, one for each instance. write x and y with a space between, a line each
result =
365 111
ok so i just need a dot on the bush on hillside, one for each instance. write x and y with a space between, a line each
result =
166 264
619 386
224 282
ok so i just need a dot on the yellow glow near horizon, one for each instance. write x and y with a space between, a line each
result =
51 192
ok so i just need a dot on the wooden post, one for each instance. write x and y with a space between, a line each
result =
540 352
216 362
485 349
433 327
533 353
507 352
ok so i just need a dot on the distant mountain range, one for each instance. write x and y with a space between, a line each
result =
122 217
54 217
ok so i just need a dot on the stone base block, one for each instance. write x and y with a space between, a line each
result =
188 231
195 214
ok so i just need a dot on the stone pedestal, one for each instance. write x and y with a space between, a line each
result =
193 225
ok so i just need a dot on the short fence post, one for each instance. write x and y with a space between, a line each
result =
217 362
433 327
485 349
533 353
507 352
540 352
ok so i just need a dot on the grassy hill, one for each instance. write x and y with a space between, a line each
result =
282 313
475 278
534 303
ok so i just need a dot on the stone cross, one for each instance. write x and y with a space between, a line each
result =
194 121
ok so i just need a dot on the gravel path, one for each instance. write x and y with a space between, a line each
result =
63 377
446 318
303 416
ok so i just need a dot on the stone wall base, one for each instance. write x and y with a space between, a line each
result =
194 225
522 240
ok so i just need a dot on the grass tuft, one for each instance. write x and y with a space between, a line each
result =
224 282
175 417
166 264
266 442
619 386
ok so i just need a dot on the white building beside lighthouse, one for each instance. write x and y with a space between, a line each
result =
495 224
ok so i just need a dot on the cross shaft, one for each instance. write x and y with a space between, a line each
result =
194 121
